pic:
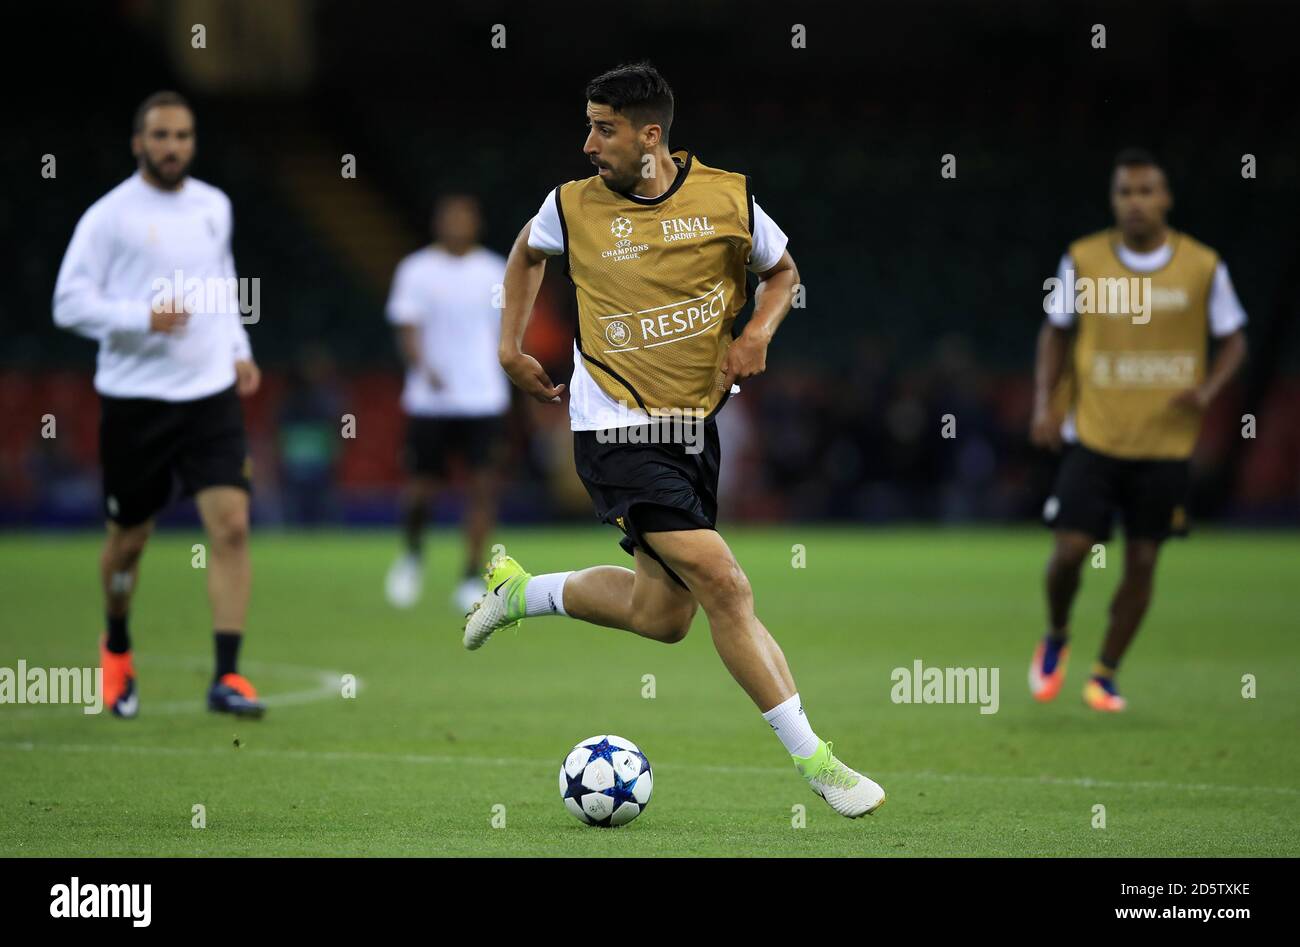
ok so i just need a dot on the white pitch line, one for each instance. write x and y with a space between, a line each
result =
448 760
1086 782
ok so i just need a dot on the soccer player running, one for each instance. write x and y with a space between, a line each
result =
444 305
1137 386
173 361
657 245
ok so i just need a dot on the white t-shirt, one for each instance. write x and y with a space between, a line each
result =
453 301
590 409
1225 312
137 243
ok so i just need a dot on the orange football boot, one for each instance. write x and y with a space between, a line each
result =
1047 669
1100 694
119 682
233 694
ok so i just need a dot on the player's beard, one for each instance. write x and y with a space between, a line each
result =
625 182
169 175
1139 231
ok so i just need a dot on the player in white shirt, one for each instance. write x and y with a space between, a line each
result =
444 303
149 275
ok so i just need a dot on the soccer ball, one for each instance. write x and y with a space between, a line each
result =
605 781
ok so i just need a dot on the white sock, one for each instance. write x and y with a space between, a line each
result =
792 727
544 594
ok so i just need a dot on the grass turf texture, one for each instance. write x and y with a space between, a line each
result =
436 736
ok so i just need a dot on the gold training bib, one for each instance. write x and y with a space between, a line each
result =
1124 370
659 284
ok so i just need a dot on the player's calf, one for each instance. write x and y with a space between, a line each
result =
666 627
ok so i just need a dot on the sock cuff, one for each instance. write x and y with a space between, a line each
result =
227 652
117 636
791 725
790 703
544 594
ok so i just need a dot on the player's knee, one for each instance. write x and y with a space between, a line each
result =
1140 561
125 546
420 492
723 586
1068 554
230 531
131 547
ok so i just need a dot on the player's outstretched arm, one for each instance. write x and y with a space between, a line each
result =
525 268
1045 427
747 355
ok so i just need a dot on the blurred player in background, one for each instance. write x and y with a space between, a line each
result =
1136 385
445 303
657 245
173 361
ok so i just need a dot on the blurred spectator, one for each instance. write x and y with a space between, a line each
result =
308 427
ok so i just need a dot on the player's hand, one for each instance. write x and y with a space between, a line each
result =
527 373
1193 398
248 377
167 319
745 358
1045 428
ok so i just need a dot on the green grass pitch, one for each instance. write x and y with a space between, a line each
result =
436 737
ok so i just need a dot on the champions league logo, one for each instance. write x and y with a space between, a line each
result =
624 249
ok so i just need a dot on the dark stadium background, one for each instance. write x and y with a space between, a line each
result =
924 294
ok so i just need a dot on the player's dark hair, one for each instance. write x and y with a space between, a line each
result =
637 91
1136 158
166 97
453 196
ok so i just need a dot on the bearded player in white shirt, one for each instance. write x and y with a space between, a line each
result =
149 275
444 305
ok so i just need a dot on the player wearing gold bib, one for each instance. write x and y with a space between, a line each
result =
1123 354
657 245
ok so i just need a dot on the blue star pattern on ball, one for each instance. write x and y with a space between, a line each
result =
601 749
605 781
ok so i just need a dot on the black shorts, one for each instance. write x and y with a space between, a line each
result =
1091 488
432 441
645 487
153 450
